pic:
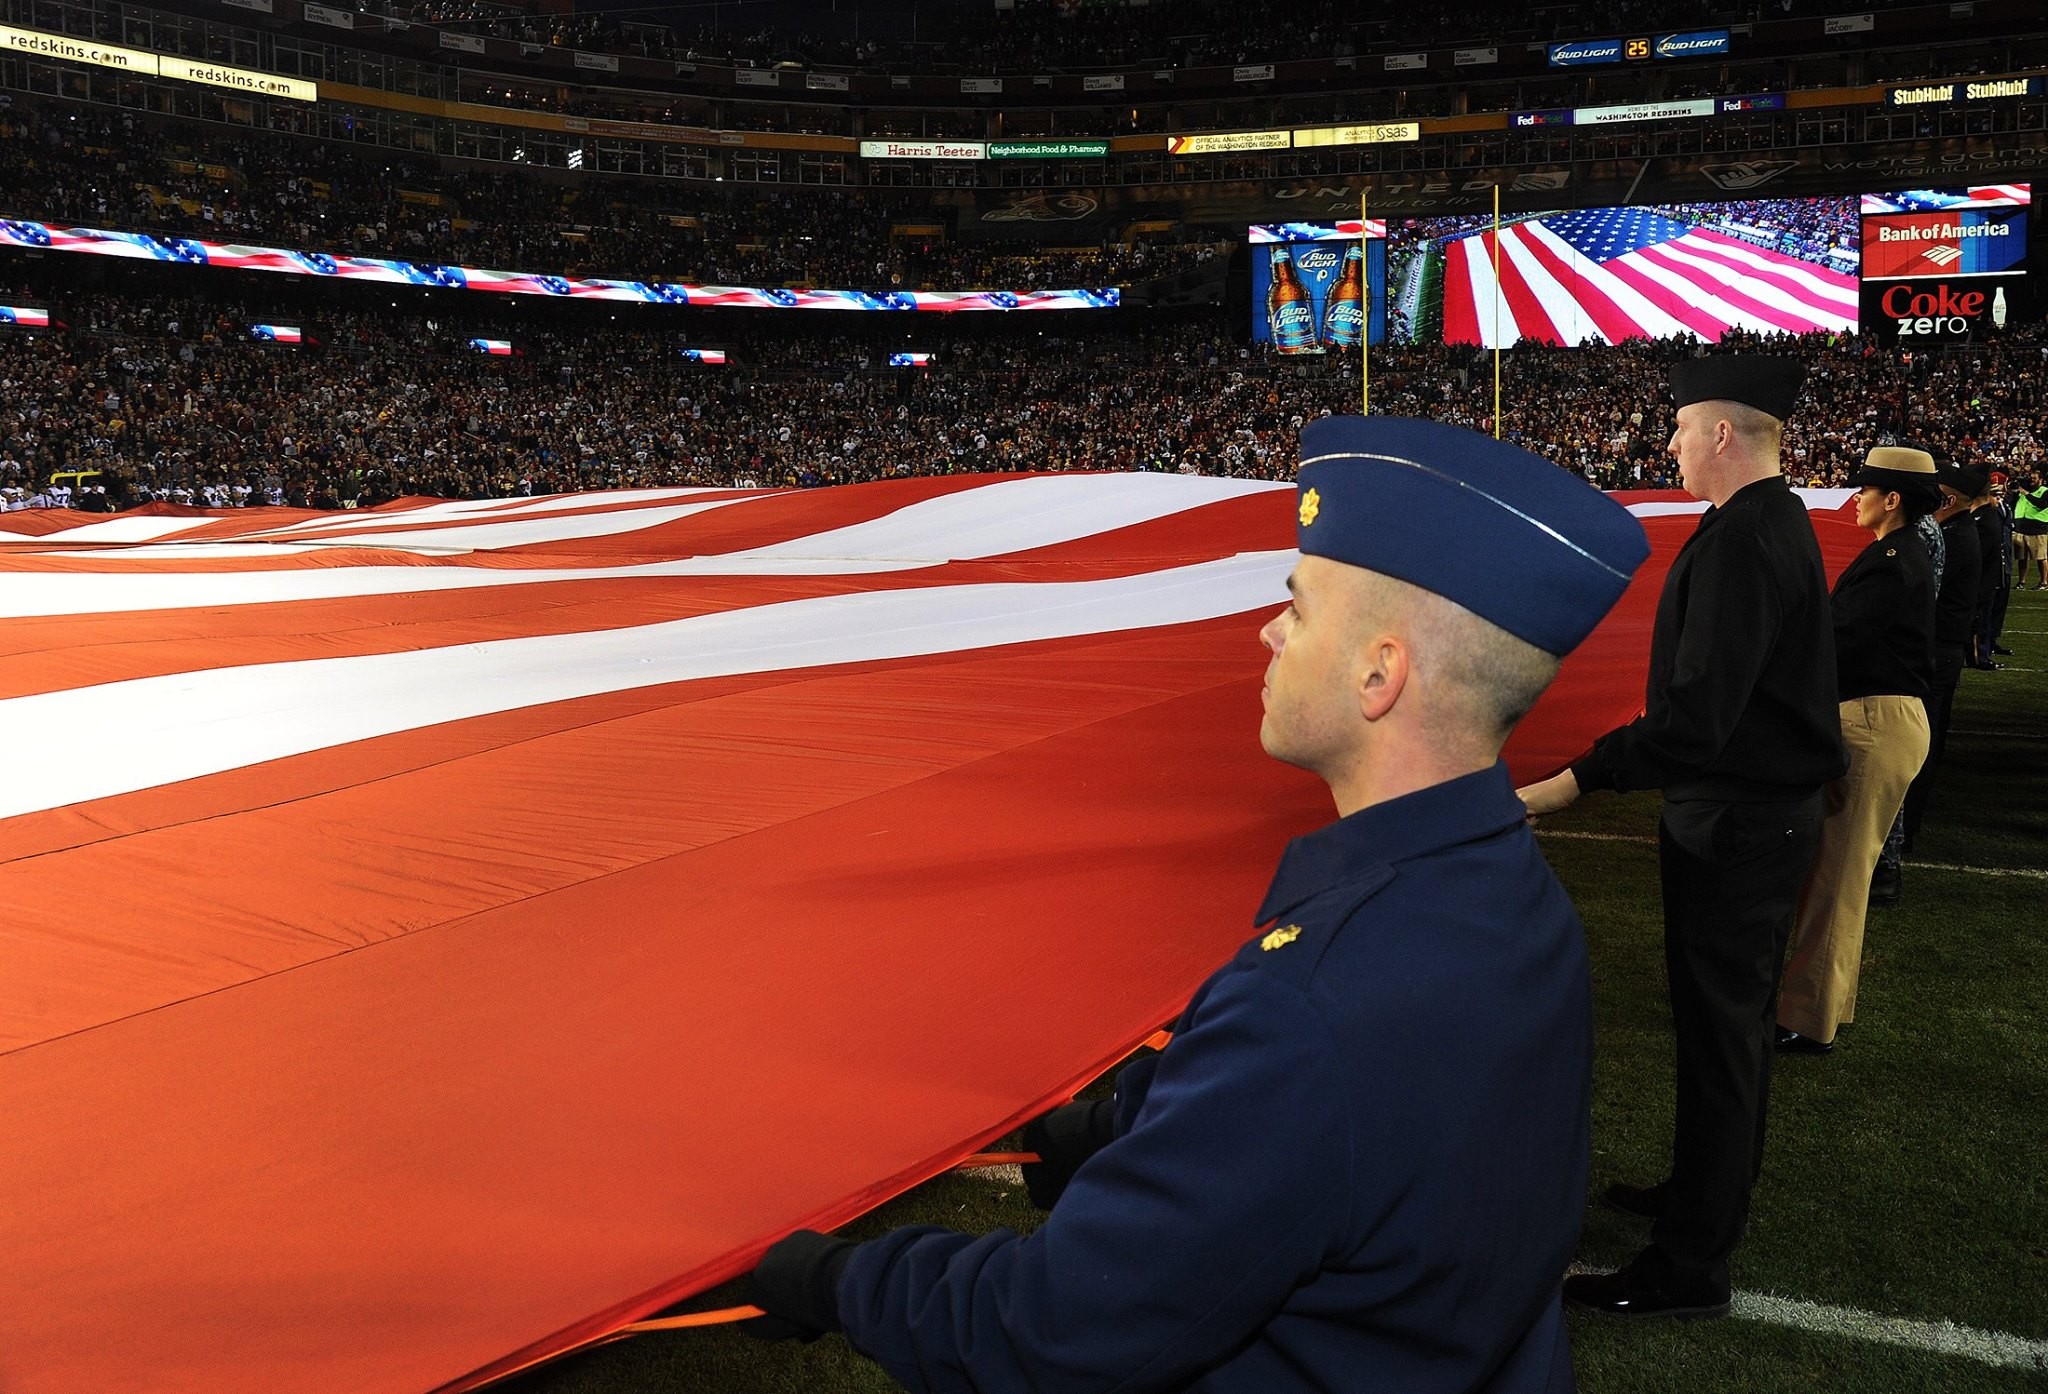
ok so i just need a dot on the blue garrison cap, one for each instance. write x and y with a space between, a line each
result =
1504 533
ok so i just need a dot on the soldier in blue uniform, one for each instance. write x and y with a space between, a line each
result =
1362 1160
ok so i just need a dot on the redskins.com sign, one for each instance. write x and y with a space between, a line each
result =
1940 311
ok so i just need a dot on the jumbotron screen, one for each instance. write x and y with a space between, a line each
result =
1318 286
1977 231
1602 275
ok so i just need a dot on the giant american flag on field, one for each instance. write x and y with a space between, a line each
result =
1602 275
439 934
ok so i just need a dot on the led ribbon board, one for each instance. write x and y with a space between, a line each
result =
142 246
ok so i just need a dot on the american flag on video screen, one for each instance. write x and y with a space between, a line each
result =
1602 275
1935 200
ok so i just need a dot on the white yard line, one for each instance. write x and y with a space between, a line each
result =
2026 873
1999 1348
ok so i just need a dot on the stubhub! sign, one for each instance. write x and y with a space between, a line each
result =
1585 51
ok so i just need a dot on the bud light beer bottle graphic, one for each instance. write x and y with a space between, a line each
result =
1344 308
1290 313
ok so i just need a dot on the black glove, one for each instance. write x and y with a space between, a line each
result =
797 1285
1063 1140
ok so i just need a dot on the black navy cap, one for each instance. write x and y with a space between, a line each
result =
1757 380
1971 481
1504 533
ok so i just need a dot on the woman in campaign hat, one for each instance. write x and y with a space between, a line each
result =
1883 612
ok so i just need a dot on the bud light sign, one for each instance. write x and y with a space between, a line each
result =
1701 43
1311 296
1585 51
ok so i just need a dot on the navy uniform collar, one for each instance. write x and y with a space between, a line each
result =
1464 809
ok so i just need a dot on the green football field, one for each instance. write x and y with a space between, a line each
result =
1899 1240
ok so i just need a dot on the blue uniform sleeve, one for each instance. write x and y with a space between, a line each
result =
1173 1246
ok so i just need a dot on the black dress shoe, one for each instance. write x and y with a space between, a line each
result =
2000 651
1792 1043
1629 1292
1887 885
1643 1202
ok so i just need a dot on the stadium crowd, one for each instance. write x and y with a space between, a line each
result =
59 167
171 399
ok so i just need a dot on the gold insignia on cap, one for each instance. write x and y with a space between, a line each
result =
1311 505
1287 933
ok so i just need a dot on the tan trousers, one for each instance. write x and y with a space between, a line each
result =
1887 739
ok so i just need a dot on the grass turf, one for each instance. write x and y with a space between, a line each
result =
1905 1173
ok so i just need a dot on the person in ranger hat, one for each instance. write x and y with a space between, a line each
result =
1362 1160
1883 610
1740 731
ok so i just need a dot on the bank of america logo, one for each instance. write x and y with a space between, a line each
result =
1942 256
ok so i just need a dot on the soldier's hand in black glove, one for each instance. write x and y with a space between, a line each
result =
797 1285
1063 1140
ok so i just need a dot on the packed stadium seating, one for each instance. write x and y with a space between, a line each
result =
157 386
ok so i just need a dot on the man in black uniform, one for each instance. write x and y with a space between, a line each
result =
1741 732
1955 609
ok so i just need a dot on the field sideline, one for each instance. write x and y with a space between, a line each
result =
1905 1195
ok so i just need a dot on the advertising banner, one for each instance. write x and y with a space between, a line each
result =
1983 89
1405 62
1641 111
277 333
327 15
599 62
756 77
1377 133
261 6
1229 142
240 79
1941 310
1581 51
1951 243
27 316
827 82
191 251
465 43
1847 24
1474 57
711 357
983 86
1047 149
1252 72
1756 101
1541 118
76 50
1112 82
1698 43
924 150
1317 289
